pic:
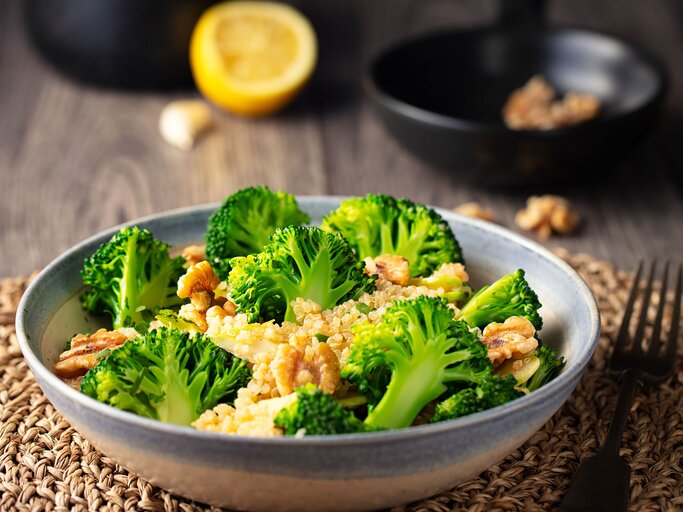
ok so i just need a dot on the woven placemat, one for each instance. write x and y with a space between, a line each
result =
46 465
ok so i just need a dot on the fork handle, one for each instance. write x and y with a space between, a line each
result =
602 482
629 383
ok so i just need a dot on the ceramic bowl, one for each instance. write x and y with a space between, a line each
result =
334 473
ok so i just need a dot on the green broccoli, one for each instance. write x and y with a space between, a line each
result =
298 262
316 413
455 290
489 392
509 296
425 350
172 320
244 222
550 367
130 277
380 224
167 375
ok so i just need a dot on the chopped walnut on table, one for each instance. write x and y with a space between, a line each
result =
512 339
82 355
534 107
199 284
391 267
318 365
547 214
474 209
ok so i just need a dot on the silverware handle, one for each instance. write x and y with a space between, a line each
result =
629 383
602 482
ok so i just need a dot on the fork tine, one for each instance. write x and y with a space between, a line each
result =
675 318
642 322
622 337
657 327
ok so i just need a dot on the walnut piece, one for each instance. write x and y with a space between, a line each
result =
317 365
81 357
199 284
474 209
200 277
513 339
534 107
547 214
193 254
391 267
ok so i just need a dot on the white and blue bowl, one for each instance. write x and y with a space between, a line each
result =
332 473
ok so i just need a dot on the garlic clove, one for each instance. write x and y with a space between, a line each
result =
182 122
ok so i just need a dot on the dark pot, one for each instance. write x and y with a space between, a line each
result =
441 96
138 44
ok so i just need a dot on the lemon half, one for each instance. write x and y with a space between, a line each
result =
252 57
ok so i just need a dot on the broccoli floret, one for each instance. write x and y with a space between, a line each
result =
130 277
509 296
423 348
380 224
489 392
172 320
454 289
244 222
550 367
167 375
298 262
315 413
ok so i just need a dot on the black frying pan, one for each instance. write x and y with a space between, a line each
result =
441 96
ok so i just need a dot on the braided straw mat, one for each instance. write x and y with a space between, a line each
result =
46 465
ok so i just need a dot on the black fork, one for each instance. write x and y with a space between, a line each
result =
602 483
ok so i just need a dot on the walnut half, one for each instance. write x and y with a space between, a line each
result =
513 339
391 267
547 214
82 355
317 365
193 254
199 284
534 107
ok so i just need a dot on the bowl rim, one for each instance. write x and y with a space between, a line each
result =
571 373
385 99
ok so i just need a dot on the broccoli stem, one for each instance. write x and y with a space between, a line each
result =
129 283
416 385
315 283
176 409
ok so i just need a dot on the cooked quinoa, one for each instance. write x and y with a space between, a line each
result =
249 417
259 343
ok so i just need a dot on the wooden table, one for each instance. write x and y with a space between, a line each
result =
75 160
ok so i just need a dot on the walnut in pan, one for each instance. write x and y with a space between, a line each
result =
534 107
318 364
512 339
82 354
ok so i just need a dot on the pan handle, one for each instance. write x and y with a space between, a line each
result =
523 14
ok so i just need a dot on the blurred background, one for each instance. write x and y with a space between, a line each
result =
76 158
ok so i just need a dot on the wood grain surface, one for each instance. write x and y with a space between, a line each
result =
75 159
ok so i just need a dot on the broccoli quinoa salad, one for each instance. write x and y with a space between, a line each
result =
275 327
